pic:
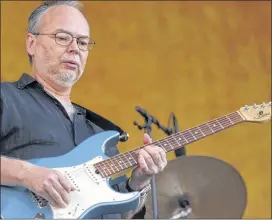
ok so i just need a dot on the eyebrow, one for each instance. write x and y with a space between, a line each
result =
68 32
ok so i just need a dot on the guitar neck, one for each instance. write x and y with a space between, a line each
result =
173 142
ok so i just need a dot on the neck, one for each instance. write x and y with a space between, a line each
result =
121 162
59 92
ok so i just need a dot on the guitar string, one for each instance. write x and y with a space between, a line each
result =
112 162
224 121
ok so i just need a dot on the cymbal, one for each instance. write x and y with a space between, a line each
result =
211 187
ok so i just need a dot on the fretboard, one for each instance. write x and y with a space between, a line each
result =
173 142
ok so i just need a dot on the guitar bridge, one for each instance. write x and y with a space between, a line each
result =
40 201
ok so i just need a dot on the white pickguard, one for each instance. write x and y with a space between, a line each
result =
92 189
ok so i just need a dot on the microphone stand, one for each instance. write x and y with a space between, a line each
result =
148 129
149 119
184 209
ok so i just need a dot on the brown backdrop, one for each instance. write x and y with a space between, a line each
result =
200 60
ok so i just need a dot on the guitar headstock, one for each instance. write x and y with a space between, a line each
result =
257 113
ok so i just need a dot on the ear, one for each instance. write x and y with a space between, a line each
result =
30 43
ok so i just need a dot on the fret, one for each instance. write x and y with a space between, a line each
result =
111 163
167 140
214 126
99 169
192 134
229 119
205 129
235 117
166 145
224 121
158 143
197 133
123 164
120 162
134 156
180 139
103 173
222 126
188 136
241 118
104 169
130 157
127 159
175 143
111 170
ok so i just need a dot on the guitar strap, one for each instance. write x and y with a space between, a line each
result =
108 125
105 124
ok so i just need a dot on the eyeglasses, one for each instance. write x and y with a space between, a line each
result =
65 39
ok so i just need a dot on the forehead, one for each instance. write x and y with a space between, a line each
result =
66 18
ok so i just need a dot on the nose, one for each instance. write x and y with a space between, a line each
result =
73 48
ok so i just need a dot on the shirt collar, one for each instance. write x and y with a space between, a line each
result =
25 80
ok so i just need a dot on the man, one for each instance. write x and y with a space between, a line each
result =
38 118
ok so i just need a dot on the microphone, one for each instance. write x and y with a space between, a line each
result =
150 119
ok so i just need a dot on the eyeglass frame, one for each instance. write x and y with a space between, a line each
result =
77 39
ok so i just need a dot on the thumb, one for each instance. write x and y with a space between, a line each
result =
147 139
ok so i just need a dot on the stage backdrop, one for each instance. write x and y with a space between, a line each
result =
200 60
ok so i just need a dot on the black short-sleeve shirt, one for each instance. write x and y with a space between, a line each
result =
34 124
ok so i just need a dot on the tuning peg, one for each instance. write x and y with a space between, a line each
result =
246 108
270 103
263 105
255 106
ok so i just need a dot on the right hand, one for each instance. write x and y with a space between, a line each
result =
49 184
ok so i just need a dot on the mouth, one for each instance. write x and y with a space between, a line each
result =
71 64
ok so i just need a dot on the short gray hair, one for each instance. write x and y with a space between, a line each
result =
35 17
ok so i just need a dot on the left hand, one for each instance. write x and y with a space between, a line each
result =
151 160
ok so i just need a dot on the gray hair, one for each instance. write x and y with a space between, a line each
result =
35 17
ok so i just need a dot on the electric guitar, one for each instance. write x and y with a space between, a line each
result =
90 171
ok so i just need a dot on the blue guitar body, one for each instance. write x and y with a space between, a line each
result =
94 196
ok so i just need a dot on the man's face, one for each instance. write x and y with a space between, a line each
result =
61 65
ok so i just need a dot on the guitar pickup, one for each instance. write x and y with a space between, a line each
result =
90 170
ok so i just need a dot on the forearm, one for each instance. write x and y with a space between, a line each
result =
12 171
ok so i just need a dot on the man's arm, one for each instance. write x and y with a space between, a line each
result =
48 183
12 171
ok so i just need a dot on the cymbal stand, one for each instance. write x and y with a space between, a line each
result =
183 211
